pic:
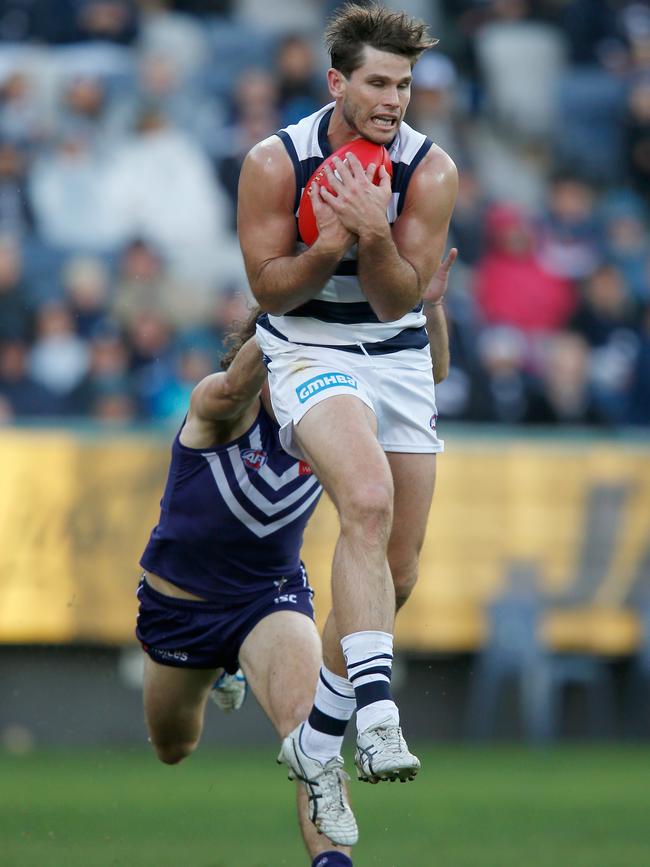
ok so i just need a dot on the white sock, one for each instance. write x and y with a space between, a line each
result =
369 659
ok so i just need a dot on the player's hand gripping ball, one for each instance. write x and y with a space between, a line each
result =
366 152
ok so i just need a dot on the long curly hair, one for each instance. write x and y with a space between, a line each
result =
242 330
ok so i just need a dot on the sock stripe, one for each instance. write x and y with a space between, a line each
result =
370 659
322 722
376 690
377 669
331 688
370 679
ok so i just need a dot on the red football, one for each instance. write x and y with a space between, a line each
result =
366 152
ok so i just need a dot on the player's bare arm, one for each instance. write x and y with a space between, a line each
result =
281 280
221 401
395 267
436 319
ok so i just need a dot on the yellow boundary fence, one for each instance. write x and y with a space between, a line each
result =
75 513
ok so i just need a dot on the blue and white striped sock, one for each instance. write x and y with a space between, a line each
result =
369 660
334 703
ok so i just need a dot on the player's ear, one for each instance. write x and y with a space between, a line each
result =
336 82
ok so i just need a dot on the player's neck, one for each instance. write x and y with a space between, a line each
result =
338 130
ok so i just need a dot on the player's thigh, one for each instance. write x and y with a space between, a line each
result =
281 658
339 438
414 477
174 698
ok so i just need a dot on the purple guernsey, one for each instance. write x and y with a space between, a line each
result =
232 517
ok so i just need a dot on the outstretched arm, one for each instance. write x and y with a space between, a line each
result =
224 397
436 320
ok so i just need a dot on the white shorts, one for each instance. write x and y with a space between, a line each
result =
398 388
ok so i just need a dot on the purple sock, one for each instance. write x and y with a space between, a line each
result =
332 859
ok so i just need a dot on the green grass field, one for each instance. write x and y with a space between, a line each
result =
501 807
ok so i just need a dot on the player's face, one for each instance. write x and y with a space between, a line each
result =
376 95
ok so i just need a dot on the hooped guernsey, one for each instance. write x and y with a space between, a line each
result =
339 316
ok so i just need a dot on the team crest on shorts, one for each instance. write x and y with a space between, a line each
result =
433 421
254 458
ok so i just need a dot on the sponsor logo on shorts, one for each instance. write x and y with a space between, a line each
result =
433 421
320 383
254 458
172 655
284 597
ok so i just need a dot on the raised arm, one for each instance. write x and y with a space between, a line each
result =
222 399
266 224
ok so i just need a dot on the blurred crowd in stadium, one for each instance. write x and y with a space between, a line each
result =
123 126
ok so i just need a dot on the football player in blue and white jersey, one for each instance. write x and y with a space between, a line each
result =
344 334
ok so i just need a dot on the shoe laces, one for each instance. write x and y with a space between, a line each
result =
330 785
392 737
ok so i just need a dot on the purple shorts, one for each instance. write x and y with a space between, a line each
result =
190 634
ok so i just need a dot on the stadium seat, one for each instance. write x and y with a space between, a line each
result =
234 48
589 135
515 653
521 62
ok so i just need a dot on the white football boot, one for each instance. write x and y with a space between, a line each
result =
229 691
382 754
329 809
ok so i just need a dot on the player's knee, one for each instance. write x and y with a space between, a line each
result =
368 508
171 753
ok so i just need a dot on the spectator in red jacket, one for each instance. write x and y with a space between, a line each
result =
512 287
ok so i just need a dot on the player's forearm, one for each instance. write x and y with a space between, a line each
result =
438 339
389 282
226 395
245 376
284 283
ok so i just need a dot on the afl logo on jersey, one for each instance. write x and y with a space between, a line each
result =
433 421
254 458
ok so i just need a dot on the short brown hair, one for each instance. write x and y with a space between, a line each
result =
235 339
353 27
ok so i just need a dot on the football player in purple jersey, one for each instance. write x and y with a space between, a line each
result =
223 585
